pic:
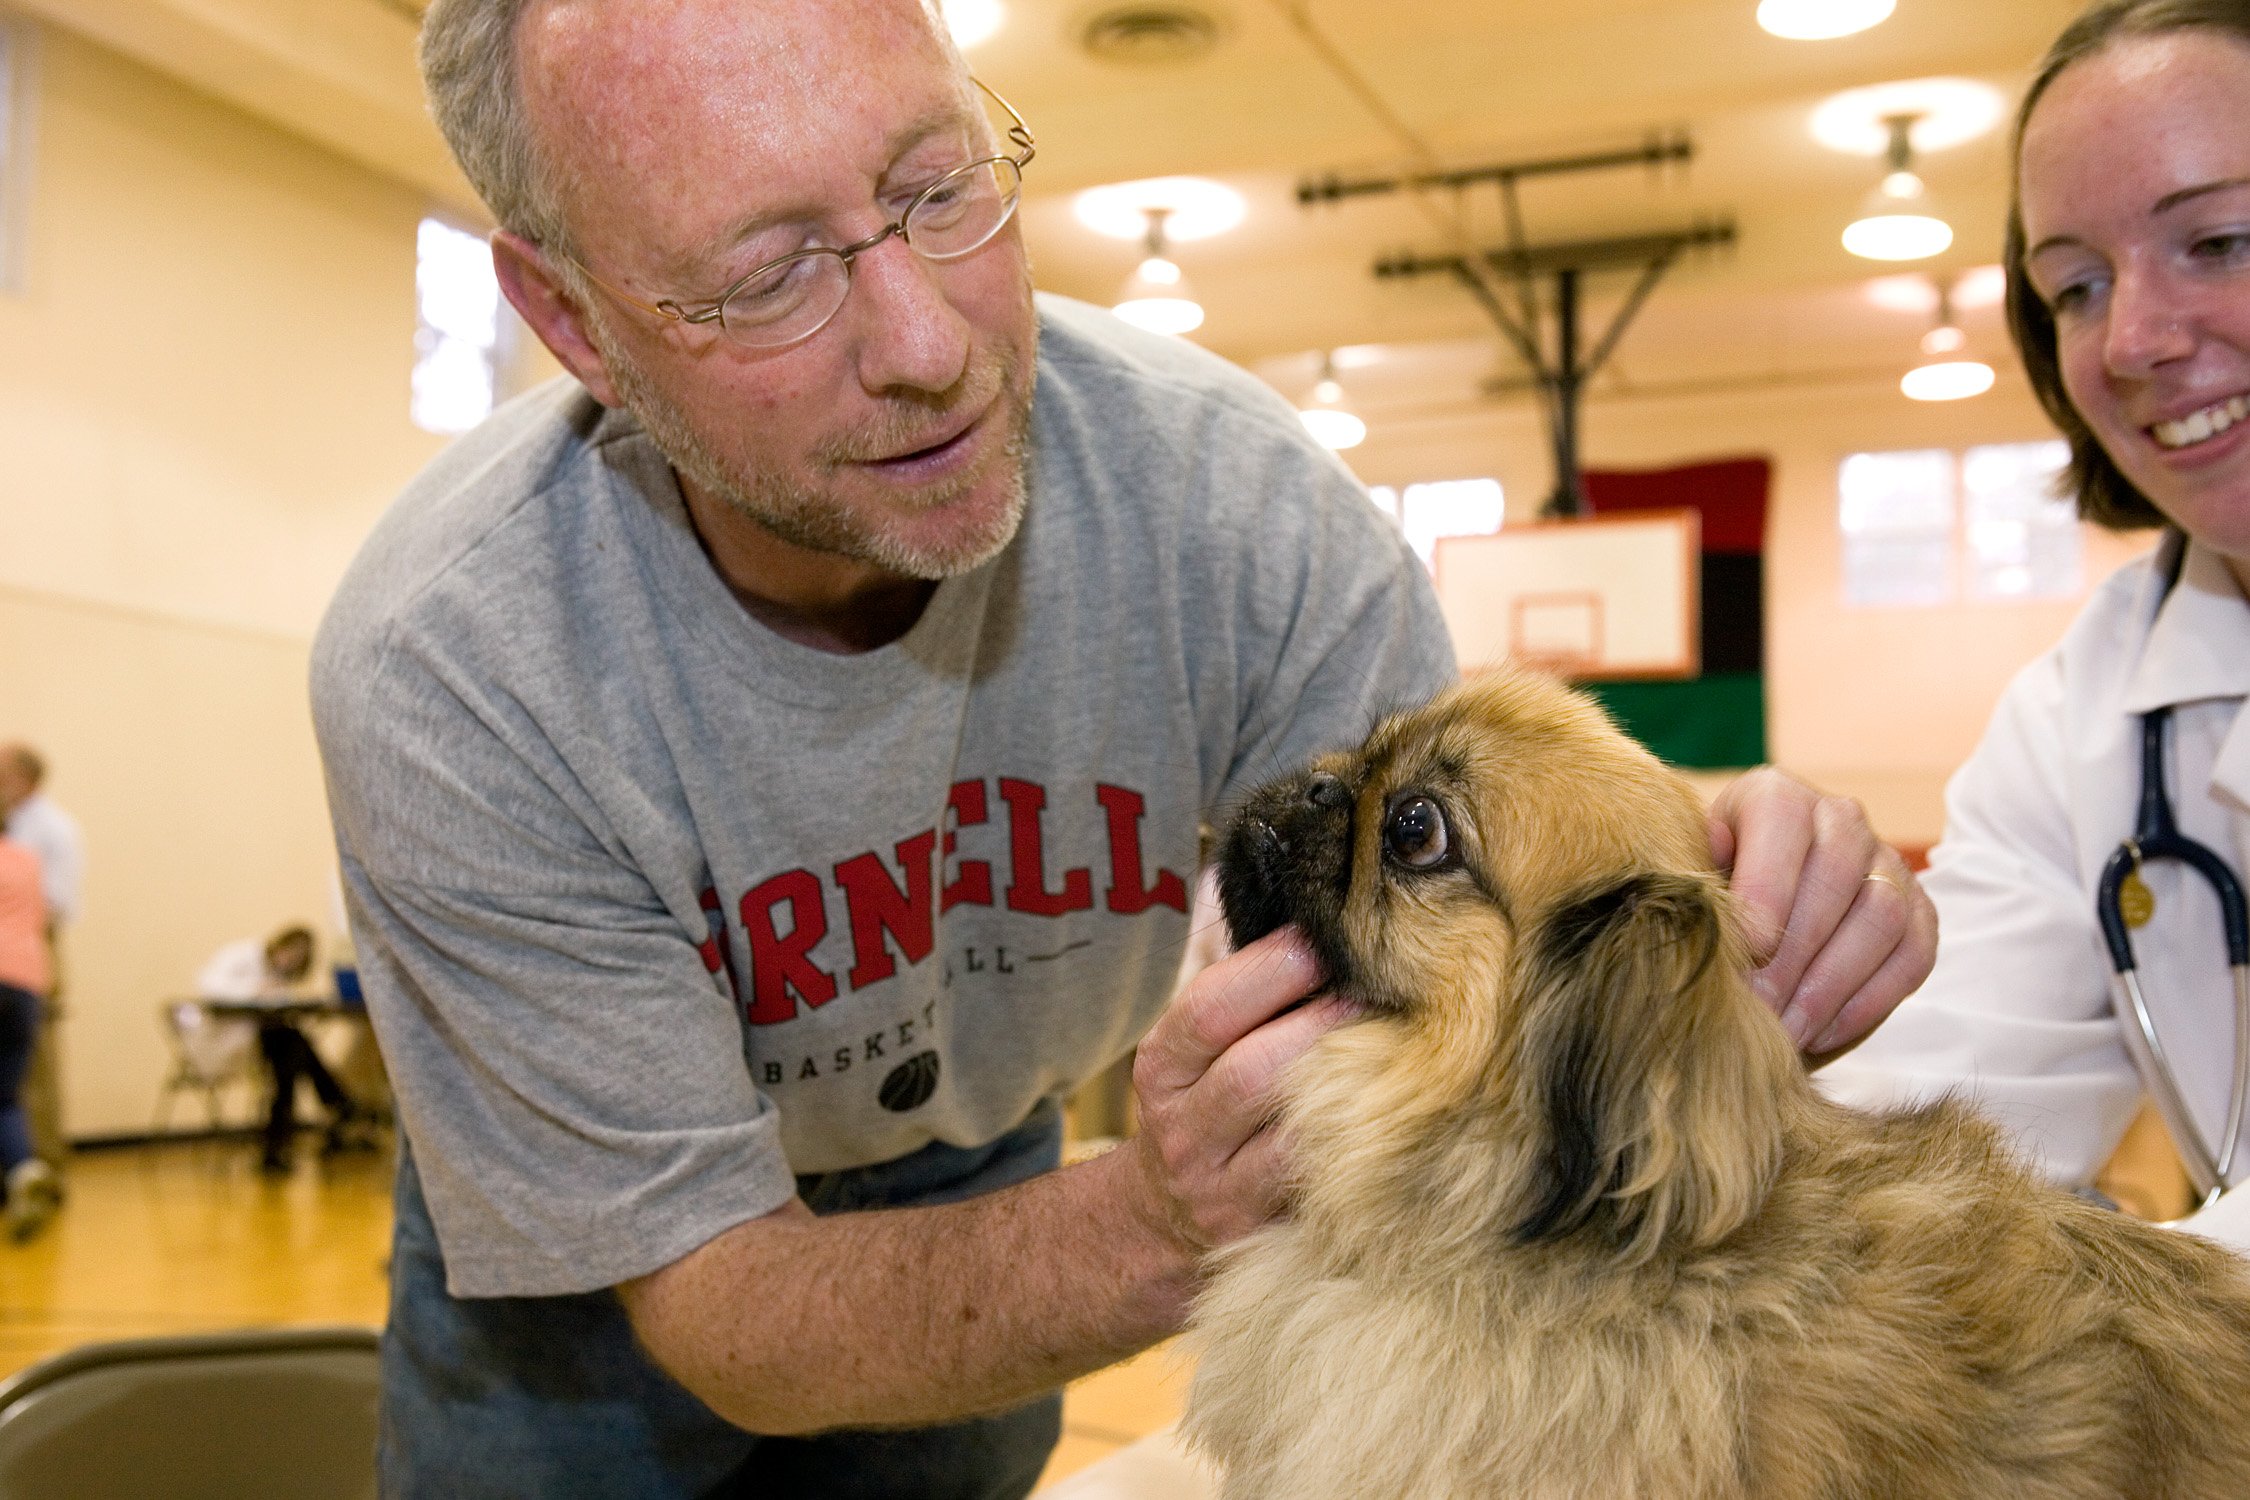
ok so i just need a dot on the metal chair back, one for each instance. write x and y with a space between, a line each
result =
285 1413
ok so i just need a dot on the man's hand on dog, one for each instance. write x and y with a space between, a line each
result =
1840 928
1205 1080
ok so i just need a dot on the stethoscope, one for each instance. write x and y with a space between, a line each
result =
2157 836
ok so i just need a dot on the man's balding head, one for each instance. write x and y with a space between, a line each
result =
477 54
468 56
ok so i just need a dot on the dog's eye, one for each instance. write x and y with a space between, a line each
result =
1414 833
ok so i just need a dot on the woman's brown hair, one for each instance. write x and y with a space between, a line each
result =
2105 496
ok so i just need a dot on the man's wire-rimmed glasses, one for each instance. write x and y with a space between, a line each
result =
793 296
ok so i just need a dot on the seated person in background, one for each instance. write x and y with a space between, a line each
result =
2129 297
243 971
24 974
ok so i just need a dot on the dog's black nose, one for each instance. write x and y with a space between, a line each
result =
1254 878
1327 791
1266 843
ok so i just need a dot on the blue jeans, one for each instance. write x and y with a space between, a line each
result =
550 1397
19 1029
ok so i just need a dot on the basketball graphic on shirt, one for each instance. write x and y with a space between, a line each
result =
910 1084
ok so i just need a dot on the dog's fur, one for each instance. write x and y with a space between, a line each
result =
1571 1221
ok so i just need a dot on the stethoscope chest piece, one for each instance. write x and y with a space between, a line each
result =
2136 903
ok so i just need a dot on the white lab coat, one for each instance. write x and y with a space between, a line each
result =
2018 1014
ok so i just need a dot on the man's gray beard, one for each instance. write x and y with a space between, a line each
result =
806 518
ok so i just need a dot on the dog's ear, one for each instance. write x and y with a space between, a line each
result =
1653 1072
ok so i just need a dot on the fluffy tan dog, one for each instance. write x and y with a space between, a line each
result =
1572 1222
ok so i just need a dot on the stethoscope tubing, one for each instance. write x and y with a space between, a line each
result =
2157 836
2209 1176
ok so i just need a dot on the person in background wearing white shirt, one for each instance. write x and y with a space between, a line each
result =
276 973
2128 262
45 829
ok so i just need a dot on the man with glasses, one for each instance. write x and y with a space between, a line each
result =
768 766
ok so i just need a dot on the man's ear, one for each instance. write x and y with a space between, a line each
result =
539 296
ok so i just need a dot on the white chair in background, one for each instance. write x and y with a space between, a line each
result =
208 1053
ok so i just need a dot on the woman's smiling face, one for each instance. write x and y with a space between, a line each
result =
2135 193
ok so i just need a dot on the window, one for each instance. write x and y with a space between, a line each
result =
1442 508
2024 541
15 149
1927 526
1896 510
457 345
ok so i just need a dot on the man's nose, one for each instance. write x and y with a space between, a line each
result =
911 335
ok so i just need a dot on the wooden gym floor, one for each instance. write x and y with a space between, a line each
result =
184 1237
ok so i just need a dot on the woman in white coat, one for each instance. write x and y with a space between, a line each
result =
2128 265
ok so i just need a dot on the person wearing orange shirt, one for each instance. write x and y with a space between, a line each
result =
25 972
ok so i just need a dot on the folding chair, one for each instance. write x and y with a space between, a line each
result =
208 1053
259 1414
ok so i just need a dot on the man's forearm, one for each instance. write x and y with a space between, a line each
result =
902 1317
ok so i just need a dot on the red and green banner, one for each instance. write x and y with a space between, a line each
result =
1716 720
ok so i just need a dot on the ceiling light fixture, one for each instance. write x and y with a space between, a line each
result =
1947 111
1896 221
1943 376
1822 20
1157 296
1152 33
1906 292
1980 286
1946 338
1331 424
1947 380
1195 208
1916 292
973 21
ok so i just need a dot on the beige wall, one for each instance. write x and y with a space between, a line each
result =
203 392
1880 704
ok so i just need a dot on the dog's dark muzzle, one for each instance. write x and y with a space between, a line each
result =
1287 856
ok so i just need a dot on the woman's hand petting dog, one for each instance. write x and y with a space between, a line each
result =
1836 922
1205 1077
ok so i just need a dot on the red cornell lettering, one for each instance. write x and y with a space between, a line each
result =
1027 891
779 964
717 957
878 906
973 886
1127 896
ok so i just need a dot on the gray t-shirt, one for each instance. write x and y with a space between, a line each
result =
655 908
